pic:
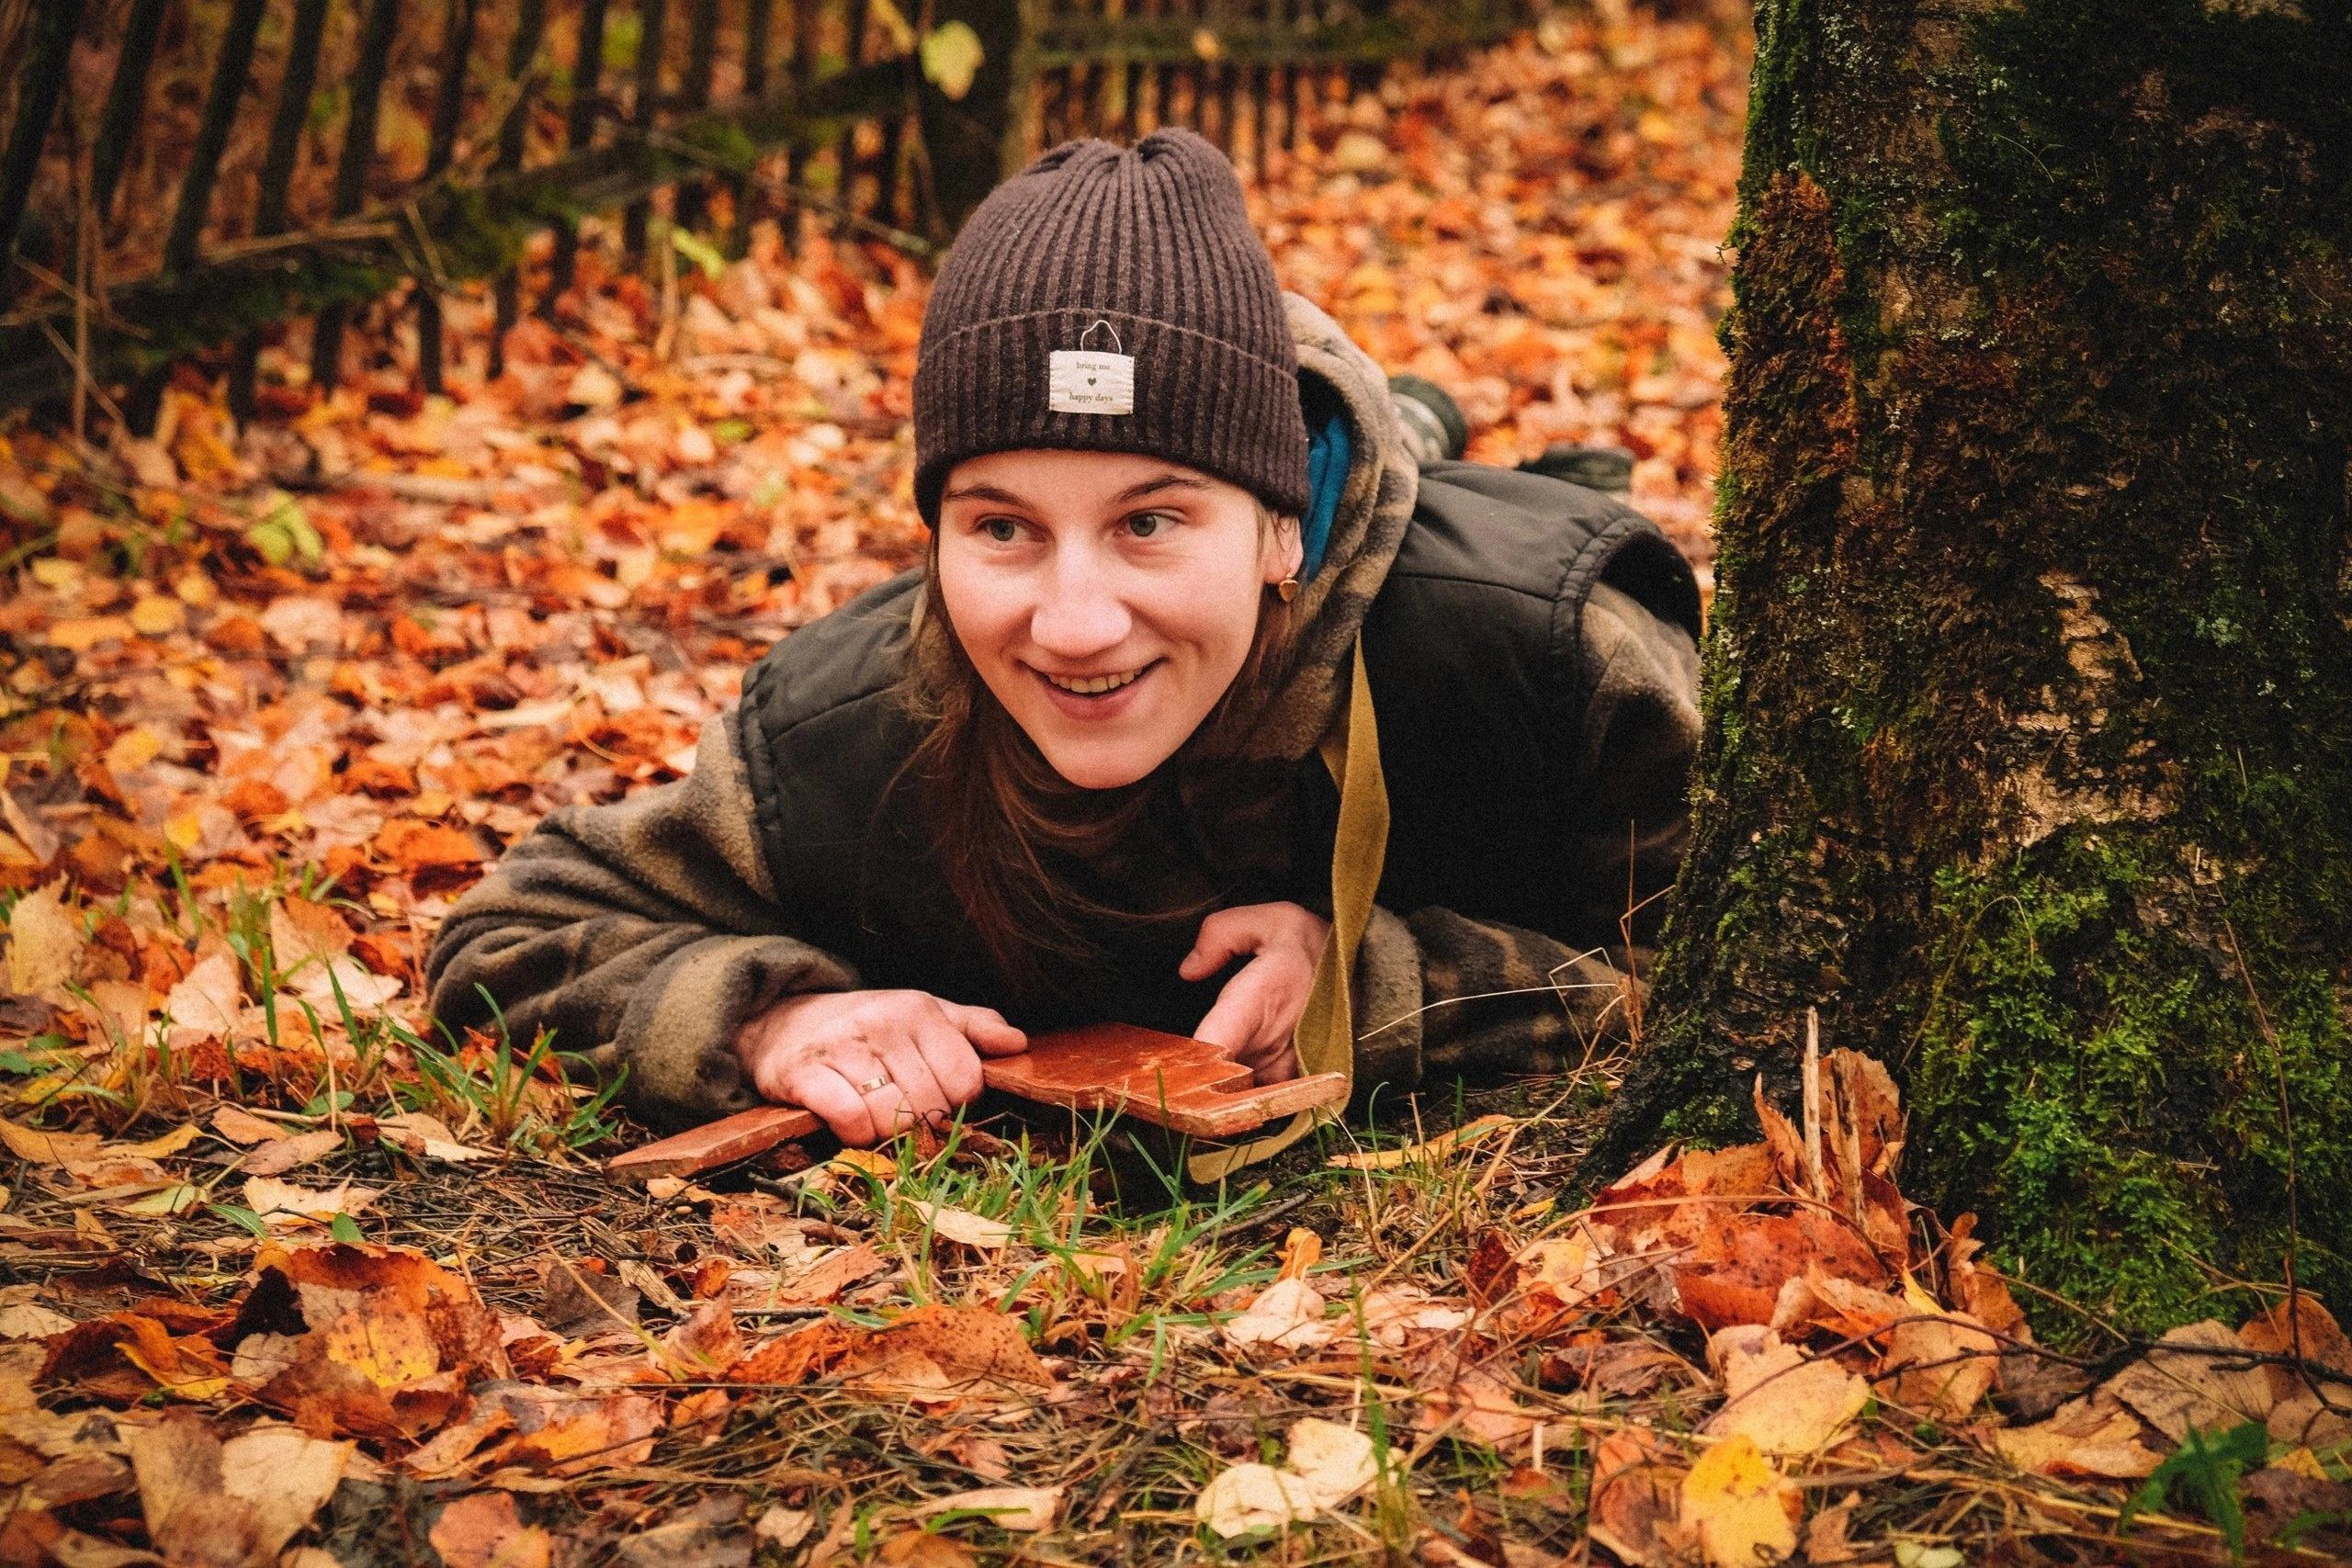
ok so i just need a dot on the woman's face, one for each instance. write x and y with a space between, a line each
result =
1107 599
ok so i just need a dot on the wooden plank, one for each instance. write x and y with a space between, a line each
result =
694 97
271 210
1187 1086
731 1138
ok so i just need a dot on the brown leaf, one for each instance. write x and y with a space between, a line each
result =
1940 1366
945 1352
45 944
483 1530
2095 1438
2190 1379
2310 1408
1637 1507
282 1155
377 1341
1743 1260
238 1503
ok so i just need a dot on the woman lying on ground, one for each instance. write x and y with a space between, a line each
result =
1082 766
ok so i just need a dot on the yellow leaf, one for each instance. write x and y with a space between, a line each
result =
37 1147
1205 44
169 1143
867 1162
951 58
1429 1149
155 616
1785 1401
1008 1507
961 1225
1744 1512
1302 1250
133 749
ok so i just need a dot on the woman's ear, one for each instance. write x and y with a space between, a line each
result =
1288 553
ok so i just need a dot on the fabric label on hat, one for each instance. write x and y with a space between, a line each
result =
1080 380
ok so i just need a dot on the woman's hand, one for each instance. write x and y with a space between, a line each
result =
873 1063
1259 1008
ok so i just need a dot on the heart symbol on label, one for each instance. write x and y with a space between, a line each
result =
1089 381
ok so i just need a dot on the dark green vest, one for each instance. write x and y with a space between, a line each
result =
1474 646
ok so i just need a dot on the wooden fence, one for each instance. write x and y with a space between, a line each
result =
234 163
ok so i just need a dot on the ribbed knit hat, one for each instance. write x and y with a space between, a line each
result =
1113 299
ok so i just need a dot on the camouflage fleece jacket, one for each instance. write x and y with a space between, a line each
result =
1538 715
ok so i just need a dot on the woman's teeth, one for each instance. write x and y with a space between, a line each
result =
1092 685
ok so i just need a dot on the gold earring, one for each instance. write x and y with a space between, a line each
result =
1287 588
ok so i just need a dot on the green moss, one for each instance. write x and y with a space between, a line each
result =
2110 1099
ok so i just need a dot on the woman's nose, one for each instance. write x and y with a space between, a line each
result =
1081 612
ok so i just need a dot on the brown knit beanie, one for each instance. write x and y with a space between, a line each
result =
1113 299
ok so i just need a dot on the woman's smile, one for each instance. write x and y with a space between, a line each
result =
1095 697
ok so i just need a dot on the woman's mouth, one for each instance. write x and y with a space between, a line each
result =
1093 696
1092 685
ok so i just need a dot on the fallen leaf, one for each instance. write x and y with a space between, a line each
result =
1425 1151
784 1528
277 1157
283 1202
1940 1366
38 1148
1743 1512
1636 1504
238 1503
1786 1402
1025 1508
1335 1462
388 1345
1287 1316
204 1004
866 1162
2097 1437
45 944
483 1530
2309 1408
1254 1497
243 1128
427 1137
2190 1380
947 1352
961 1225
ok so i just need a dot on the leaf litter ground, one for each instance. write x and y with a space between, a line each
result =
291 1280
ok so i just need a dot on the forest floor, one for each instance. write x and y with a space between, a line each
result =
289 1279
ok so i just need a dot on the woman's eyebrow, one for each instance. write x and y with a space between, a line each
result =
983 492
1154 486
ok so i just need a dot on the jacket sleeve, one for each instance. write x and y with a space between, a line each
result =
1441 993
644 933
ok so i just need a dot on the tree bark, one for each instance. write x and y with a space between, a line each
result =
2029 754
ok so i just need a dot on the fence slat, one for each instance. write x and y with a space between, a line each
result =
522 58
40 80
449 109
653 22
579 130
759 28
351 171
693 97
231 68
270 209
125 103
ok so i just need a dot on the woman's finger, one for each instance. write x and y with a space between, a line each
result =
955 1064
1225 936
1239 1018
986 1029
913 1092
821 1089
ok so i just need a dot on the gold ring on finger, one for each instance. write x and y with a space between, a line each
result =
870 1085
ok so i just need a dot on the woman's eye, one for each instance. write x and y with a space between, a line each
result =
1003 530
1145 525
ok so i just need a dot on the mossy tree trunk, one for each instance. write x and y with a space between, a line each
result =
2029 753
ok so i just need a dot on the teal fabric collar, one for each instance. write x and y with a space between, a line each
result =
1327 476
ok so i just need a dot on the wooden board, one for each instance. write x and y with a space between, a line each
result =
1185 1084
723 1142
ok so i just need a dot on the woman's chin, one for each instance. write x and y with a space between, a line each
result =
1087 769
